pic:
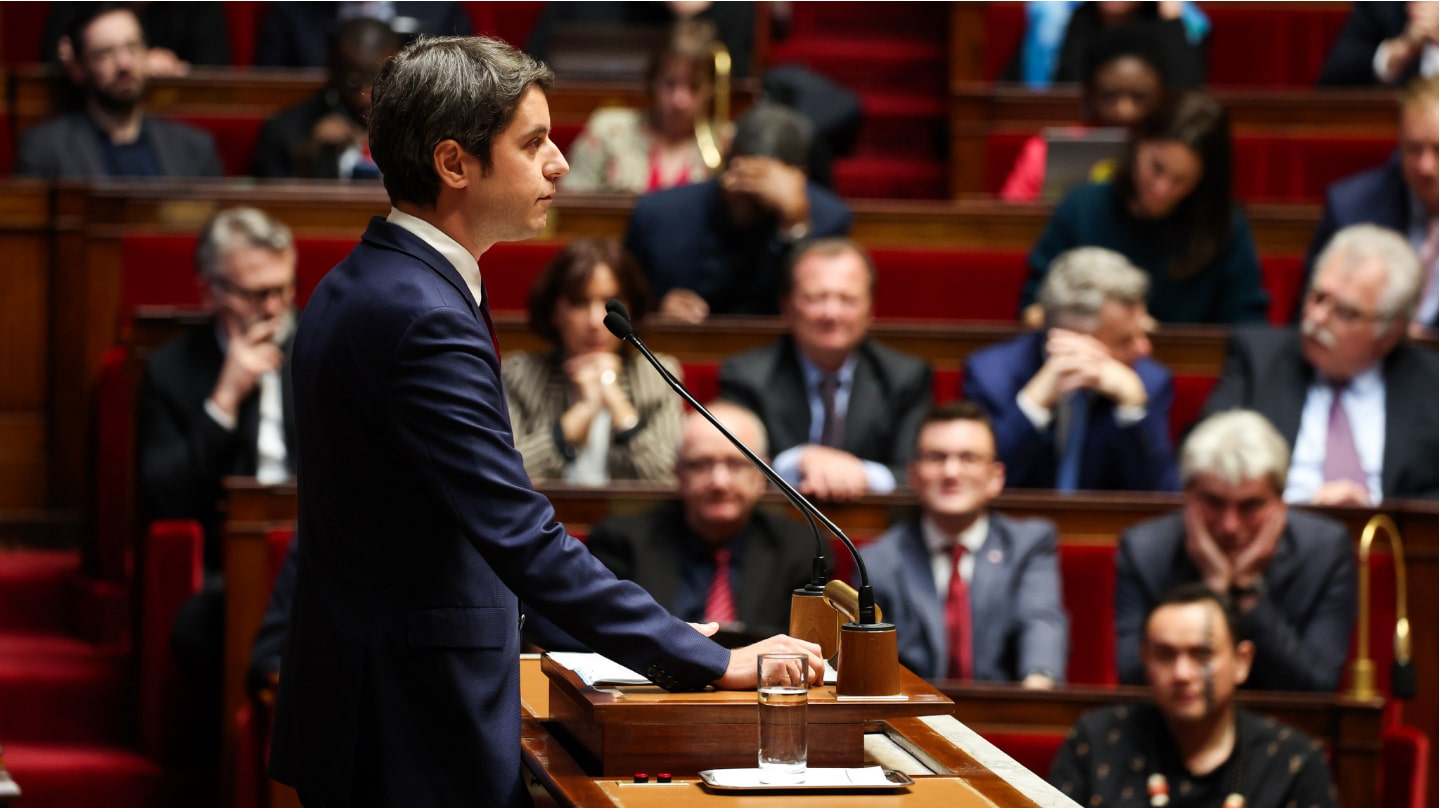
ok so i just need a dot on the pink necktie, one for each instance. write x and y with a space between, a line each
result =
720 601
957 618
1342 459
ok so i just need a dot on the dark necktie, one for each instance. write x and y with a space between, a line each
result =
957 618
832 429
1068 476
1342 459
719 600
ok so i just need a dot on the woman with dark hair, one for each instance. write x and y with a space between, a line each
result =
1179 29
587 412
636 151
1170 211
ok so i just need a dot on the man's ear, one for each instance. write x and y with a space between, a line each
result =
1244 655
65 50
455 167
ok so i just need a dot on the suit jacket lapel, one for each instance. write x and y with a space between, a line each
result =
83 147
1288 385
787 386
385 235
287 404
866 406
929 604
987 581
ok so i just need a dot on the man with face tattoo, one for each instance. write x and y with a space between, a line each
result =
1192 746
1290 573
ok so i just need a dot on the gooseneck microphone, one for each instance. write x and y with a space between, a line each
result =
617 320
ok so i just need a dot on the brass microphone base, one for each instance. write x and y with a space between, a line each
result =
869 663
812 619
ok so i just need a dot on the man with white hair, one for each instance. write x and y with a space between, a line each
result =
1081 405
1354 398
1290 573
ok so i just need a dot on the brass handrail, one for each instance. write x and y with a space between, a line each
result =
707 129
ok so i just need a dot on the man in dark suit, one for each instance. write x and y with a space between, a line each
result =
841 409
973 594
675 551
1401 195
324 136
111 136
216 402
1383 43
1354 398
1290 573
719 247
1081 405
296 34
419 530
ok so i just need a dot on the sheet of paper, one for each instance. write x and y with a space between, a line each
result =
594 669
814 778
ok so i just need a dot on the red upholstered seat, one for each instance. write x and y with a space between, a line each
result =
1087 582
938 284
235 137
1191 390
1404 768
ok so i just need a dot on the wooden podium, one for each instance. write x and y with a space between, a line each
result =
635 728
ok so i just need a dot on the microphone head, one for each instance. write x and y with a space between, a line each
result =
614 306
619 325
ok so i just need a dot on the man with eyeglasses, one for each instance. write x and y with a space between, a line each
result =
973 594
1290 573
1350 393
216 402
110 136
324 136
710 555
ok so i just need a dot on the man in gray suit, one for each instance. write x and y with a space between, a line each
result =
972 594
110 136
1291 574
840 408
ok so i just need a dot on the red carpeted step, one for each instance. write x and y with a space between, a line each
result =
61 776
55 689
901 124
889 178
35 589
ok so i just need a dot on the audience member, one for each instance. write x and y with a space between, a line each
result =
1400 195
636 151
1191 744
590 410
216 401
110 136
973 594
1169 211
711 555
324 137
1124 79
1291 573
1180 31
298 34
1080 404
1357 400
840 408
719 246
177 35
1384 43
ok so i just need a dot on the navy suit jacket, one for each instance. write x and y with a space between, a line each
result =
1265 371
66 148
683 239
418 530
1019 623
1378 196
889 397
1301 626
1137 457
1351 60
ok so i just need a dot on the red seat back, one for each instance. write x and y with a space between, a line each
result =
1087 574
1191 390
931 284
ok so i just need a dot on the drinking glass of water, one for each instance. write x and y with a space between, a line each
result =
782 686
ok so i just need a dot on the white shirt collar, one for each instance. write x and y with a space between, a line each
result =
449 248
938 541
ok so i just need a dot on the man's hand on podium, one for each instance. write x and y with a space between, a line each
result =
741 675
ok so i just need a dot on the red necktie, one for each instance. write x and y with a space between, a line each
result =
957 618
720 601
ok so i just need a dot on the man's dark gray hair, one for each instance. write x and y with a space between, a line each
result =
1079 282
770 130
231 228
464 89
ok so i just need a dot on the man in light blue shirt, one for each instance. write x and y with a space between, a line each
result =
1356 400
841 409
